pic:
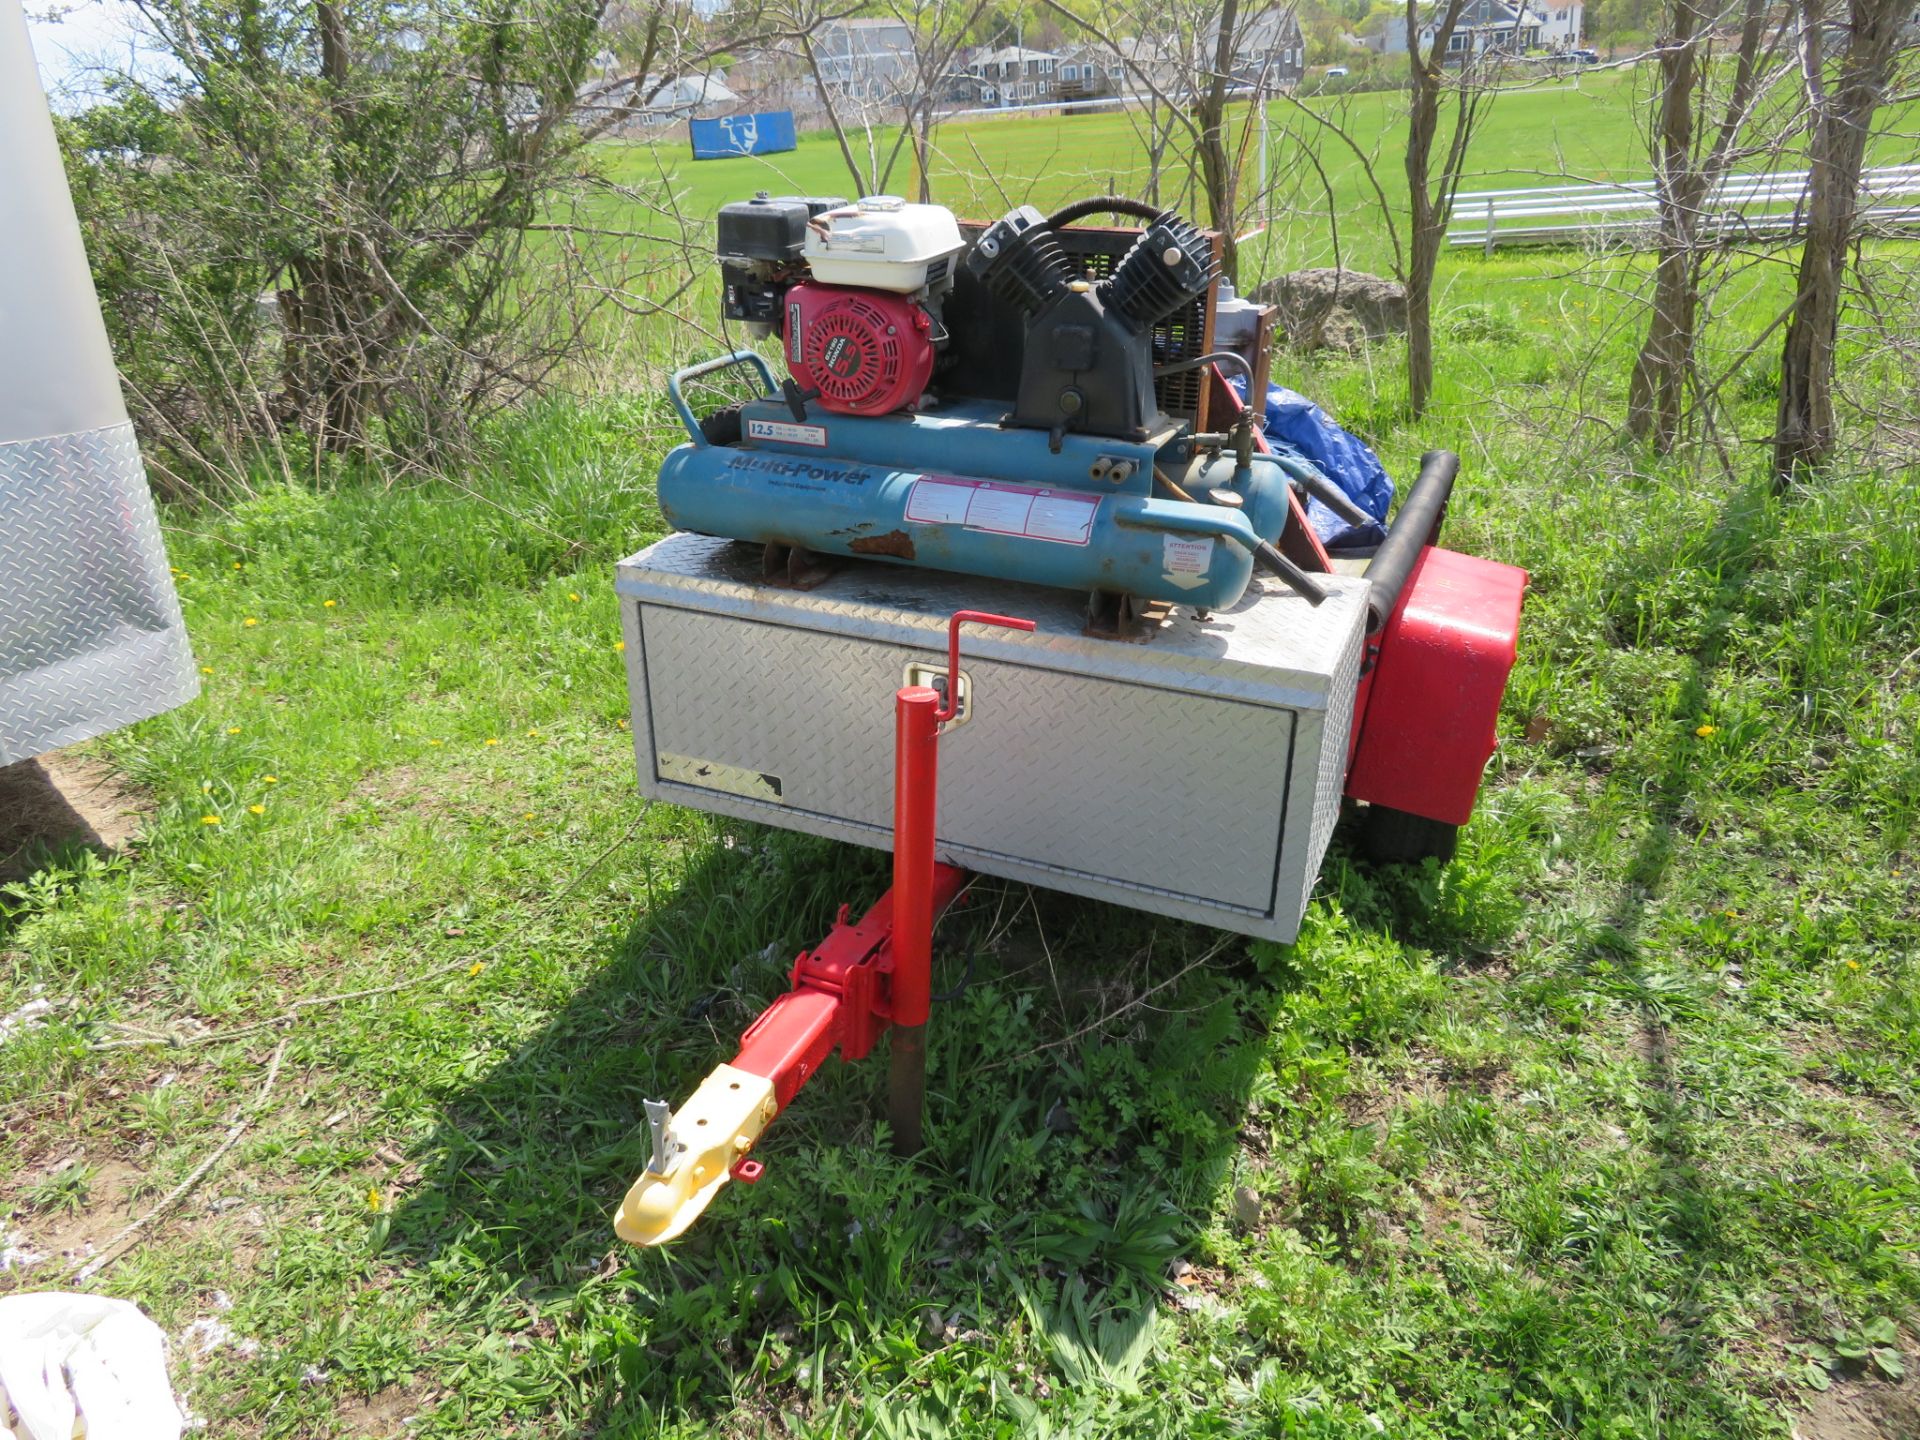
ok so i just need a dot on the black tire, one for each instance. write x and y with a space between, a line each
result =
1395 837
723 426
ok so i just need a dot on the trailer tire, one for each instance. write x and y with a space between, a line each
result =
1397 837
723 426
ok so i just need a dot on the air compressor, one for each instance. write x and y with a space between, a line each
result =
983 406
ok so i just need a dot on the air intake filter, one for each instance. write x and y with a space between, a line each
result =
1167 266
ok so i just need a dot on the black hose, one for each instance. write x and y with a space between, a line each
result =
1414 527
1105 205
1334 498
1180 367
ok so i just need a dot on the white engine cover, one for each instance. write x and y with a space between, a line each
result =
883 243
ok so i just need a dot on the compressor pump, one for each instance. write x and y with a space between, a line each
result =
983 404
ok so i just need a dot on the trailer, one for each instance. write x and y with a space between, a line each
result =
1003 576
91 635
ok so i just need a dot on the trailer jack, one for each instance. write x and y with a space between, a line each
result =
865 977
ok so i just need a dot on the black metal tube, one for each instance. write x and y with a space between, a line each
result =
1333 497
1414 527
1302 584
907 1088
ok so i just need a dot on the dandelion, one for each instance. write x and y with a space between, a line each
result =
492 741
619 645
533 733
1703 731
233 729
433 742
621 723
236 564
573 596
375 1201
1853 964
256 809
475 968
527 816
209 819
328 604
250 622
206 669
271 779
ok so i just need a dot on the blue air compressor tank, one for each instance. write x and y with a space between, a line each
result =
964 496
959 492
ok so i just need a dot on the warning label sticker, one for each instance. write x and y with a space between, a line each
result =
1186 554
786 432
1064 517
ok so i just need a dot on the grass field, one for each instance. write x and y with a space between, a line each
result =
1605 1130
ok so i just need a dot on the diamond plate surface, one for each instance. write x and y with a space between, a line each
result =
91 636
1195 775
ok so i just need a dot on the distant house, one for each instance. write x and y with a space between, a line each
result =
653 103
1269 50
1560 24
866 59
1014 75
1485 27
1089 72
1148 62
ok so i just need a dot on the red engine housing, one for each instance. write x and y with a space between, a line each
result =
867 352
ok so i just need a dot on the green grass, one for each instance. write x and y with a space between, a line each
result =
1604 1130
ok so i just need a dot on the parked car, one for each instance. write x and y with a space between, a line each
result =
1584 57
1334 72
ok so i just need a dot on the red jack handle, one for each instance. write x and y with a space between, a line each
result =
919 713
968 617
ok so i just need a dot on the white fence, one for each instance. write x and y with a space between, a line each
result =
1627 212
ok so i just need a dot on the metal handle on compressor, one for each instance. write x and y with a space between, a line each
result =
708 367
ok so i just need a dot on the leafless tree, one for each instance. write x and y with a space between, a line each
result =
1844 94
1188 61
1456 99
907 88
1701 131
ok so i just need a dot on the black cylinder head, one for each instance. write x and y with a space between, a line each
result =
1019 261
1167 267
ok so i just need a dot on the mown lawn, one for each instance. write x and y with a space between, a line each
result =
1607 1129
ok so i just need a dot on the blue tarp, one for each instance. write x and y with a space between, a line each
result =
766 133
1297 427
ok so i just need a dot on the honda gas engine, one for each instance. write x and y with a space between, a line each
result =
1016 400
854 290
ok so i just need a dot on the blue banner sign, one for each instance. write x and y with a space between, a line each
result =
764 134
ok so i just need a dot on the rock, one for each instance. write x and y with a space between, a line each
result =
1337 309
1246 1206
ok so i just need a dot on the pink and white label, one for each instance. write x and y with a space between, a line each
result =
1064 517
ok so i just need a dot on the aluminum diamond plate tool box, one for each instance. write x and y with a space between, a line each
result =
1194 774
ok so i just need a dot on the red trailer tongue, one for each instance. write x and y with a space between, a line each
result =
861 979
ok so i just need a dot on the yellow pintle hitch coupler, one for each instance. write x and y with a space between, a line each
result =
695 1150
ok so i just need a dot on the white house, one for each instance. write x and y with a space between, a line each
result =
1485 27
1560 23
679 99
